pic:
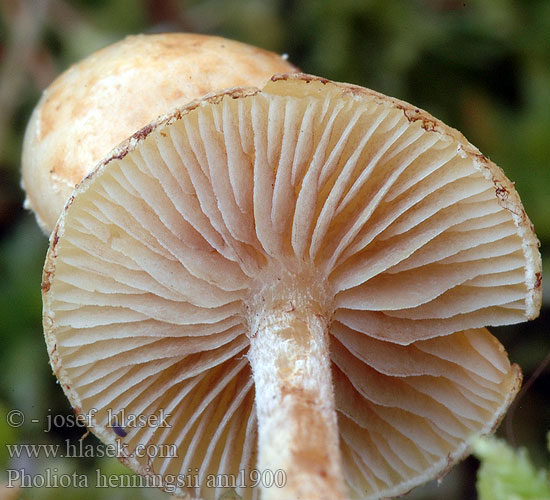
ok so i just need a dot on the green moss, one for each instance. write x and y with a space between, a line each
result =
508 474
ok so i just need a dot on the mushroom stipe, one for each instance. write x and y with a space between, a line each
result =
300 277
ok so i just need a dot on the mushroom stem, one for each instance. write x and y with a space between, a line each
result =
297 426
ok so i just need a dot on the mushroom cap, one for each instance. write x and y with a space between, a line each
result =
413 238
102 100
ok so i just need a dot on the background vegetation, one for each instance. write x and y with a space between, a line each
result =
481 66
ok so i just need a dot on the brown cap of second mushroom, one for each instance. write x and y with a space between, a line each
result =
102 100
300 278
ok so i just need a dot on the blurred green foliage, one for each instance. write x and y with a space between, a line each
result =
508 474
482 66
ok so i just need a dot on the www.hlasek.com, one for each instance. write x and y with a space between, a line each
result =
120 423
172 483
80 449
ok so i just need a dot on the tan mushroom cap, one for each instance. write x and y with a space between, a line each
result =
102 100
407 239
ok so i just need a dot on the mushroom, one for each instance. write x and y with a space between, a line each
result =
105 98
290 287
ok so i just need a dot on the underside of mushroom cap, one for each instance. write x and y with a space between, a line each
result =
406 238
